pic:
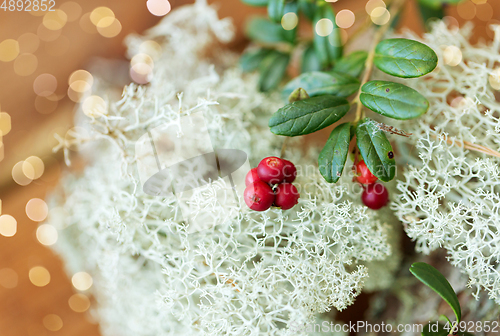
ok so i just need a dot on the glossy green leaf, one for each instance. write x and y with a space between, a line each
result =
310 61
256 2
352 64
320 83
262 30
328 48
308 7
272 70
308 115
332 158
393 100
251 59
432 278
404 58
375 150
276 10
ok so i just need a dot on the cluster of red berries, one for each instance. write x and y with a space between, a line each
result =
375 195
270 184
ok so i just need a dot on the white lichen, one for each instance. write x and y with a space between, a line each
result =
449 195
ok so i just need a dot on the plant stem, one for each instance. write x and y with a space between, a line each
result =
394 10
471 146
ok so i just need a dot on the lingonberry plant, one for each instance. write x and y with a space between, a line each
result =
318 97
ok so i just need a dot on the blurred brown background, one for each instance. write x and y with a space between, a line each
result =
39 51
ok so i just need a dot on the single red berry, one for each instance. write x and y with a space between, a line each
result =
375 196
286 196
252 177
271 170
365 175
258 196
290 171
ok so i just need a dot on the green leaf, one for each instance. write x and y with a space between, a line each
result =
262 30
308 115
375 150
320 83
438 3
332 158
276 10
256 2
432 278
328 48
251 59
308 7
291 7
352 64
272 70
393 100
404 58
310 61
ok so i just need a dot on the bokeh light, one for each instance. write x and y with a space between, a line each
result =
479 2
94 107
99 14
5 124
55 20
46 234
8 226
372 4
81 81
28 43
37 210
72 9
36 164
52 322
82 281
159 7
8 278
141 73
28 170
9 49
112 27
25 64
466 10
324 27
79 303
452 56
45 85
494 79
345 18
289 21
39 276
18 174
380 16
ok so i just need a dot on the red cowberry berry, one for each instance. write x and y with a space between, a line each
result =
258 196
252 177
290 171
286 196
365 175
271 170
375 196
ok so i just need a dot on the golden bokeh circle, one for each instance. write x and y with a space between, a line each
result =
39 276
9 50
